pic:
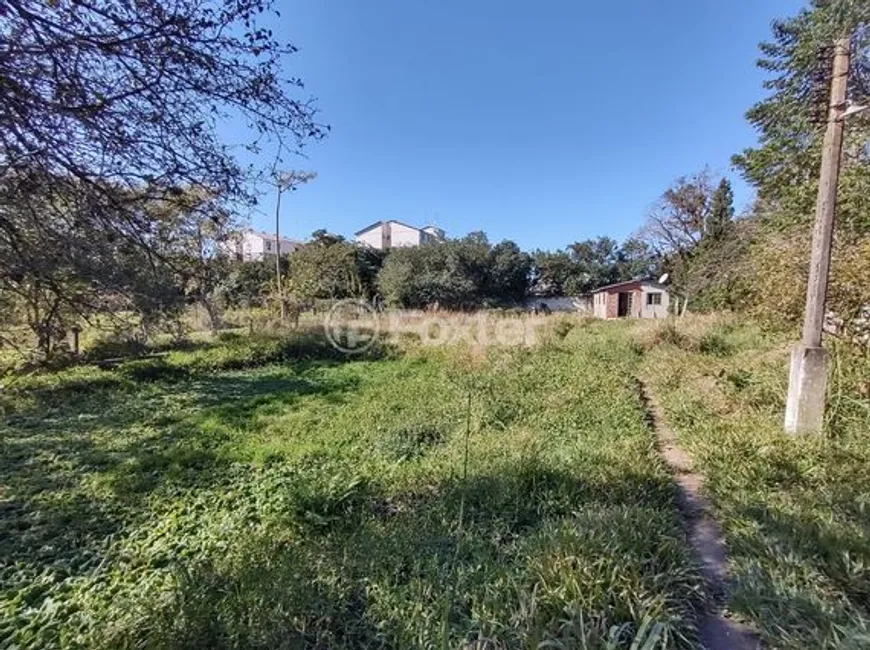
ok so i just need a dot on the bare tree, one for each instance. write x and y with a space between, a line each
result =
676 225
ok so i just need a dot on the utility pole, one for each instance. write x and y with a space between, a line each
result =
288 180
278 252
805 408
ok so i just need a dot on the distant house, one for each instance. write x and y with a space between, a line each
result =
632 299
385 235
251 245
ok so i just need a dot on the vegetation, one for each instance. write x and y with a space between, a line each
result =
759 265
512 497
457 274
794 509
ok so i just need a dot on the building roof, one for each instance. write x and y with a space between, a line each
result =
628 283
382 222
271 236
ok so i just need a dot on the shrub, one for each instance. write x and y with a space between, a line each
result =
146 370
715 344
112 348
563 327
409 442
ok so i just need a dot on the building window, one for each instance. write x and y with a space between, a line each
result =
268 245
653 299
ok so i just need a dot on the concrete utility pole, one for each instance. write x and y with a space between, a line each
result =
805 408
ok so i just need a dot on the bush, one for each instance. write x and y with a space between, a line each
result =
407 443
715 344
563 327
113 348
147 370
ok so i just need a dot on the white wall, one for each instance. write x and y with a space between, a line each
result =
654 311
256 246
599 304
373 237
403 235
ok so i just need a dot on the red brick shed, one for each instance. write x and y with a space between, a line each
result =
632 299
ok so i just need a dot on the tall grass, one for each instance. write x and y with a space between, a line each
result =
794 508
501 498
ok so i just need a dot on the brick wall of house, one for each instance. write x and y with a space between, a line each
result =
612 304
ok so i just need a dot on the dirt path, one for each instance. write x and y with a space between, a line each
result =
717 631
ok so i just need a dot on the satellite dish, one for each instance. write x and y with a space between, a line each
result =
664 278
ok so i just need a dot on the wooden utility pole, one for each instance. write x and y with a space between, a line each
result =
805 408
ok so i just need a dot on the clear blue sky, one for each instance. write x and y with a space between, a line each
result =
544 122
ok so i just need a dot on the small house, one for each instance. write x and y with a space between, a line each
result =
632 299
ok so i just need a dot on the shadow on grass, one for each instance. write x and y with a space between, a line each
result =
535 555
788 545
73 476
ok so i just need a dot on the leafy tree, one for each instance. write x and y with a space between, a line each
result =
60 270
555 273
636 259
721 211
247 284
790 121
326 271
509 270
322 237
107 109
784 166
456 274
596 262
676 226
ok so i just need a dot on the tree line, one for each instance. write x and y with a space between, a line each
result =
116 188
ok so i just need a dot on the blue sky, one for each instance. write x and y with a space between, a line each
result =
545 123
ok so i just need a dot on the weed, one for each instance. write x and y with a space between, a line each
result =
793 508
257 502
412 441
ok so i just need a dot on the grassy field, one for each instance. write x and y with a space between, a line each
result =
796 510
271 494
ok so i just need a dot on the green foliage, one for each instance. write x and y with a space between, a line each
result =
721 217
265 507
456 274
563 327
410 442
794 509
592 263
248 284
328 268
715 343
145 370
790 121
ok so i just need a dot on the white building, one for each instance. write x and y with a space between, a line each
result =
252 245
384 235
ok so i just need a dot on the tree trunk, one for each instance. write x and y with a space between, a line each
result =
214 317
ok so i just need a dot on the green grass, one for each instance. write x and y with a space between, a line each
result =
796 510
437 499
